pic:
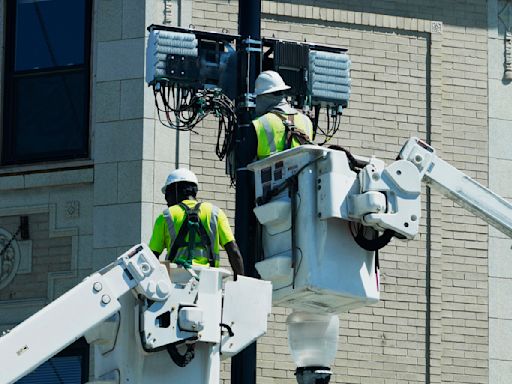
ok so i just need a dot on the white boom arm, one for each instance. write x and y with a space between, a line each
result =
457 186
66 319
169 306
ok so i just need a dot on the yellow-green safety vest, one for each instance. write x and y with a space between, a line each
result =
271 132
175 217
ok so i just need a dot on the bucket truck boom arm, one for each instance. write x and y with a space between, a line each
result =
387 197
78 310
457 186
132 332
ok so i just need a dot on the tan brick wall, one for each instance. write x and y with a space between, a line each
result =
399 68
465 287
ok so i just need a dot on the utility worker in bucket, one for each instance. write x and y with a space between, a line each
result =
192 232
280 126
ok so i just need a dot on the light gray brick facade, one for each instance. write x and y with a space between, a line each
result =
428 69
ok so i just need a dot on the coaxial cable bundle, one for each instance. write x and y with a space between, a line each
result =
184 108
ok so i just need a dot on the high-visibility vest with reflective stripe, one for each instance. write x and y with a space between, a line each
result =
175 217
271 132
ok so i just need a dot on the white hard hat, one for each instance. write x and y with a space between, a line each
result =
180 174
268 82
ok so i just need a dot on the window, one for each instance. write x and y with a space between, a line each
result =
70 366
46 78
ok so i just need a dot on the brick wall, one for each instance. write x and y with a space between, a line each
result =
465 140
406 81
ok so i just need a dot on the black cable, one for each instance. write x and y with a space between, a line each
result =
181 360
192 108
333 121
315 121
373 244
354 164
286 183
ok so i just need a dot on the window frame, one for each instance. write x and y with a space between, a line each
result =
79 348
10 76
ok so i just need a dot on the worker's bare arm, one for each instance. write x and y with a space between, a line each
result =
235 257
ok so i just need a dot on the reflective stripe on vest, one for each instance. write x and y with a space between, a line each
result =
269 132
170 225
211 230
271 127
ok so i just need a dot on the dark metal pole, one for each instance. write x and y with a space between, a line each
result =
243 365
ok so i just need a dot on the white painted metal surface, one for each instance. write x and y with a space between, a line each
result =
315 263
329 272
233 302
398 186
459 187
66 319
128 337
151 277
247 303
128 362
309 252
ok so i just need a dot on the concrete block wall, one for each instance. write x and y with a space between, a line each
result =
418 69
121 136
133 150
464 337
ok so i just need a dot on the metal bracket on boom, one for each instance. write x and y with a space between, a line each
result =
151 277
389 197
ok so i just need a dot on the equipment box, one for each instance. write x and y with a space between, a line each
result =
310 255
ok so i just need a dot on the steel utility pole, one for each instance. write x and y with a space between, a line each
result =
243 365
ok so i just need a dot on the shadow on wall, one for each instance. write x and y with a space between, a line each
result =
463 13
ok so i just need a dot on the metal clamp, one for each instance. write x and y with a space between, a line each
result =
152 280
248 101
251 45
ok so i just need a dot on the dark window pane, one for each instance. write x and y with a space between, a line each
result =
50 116
57 370
49 33
46 87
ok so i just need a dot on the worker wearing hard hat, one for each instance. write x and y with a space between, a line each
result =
280 126
192 232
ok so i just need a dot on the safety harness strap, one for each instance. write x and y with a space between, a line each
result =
191 226
292 131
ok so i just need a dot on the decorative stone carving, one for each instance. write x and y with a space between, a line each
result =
9 257
437 27
72 209
506 18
